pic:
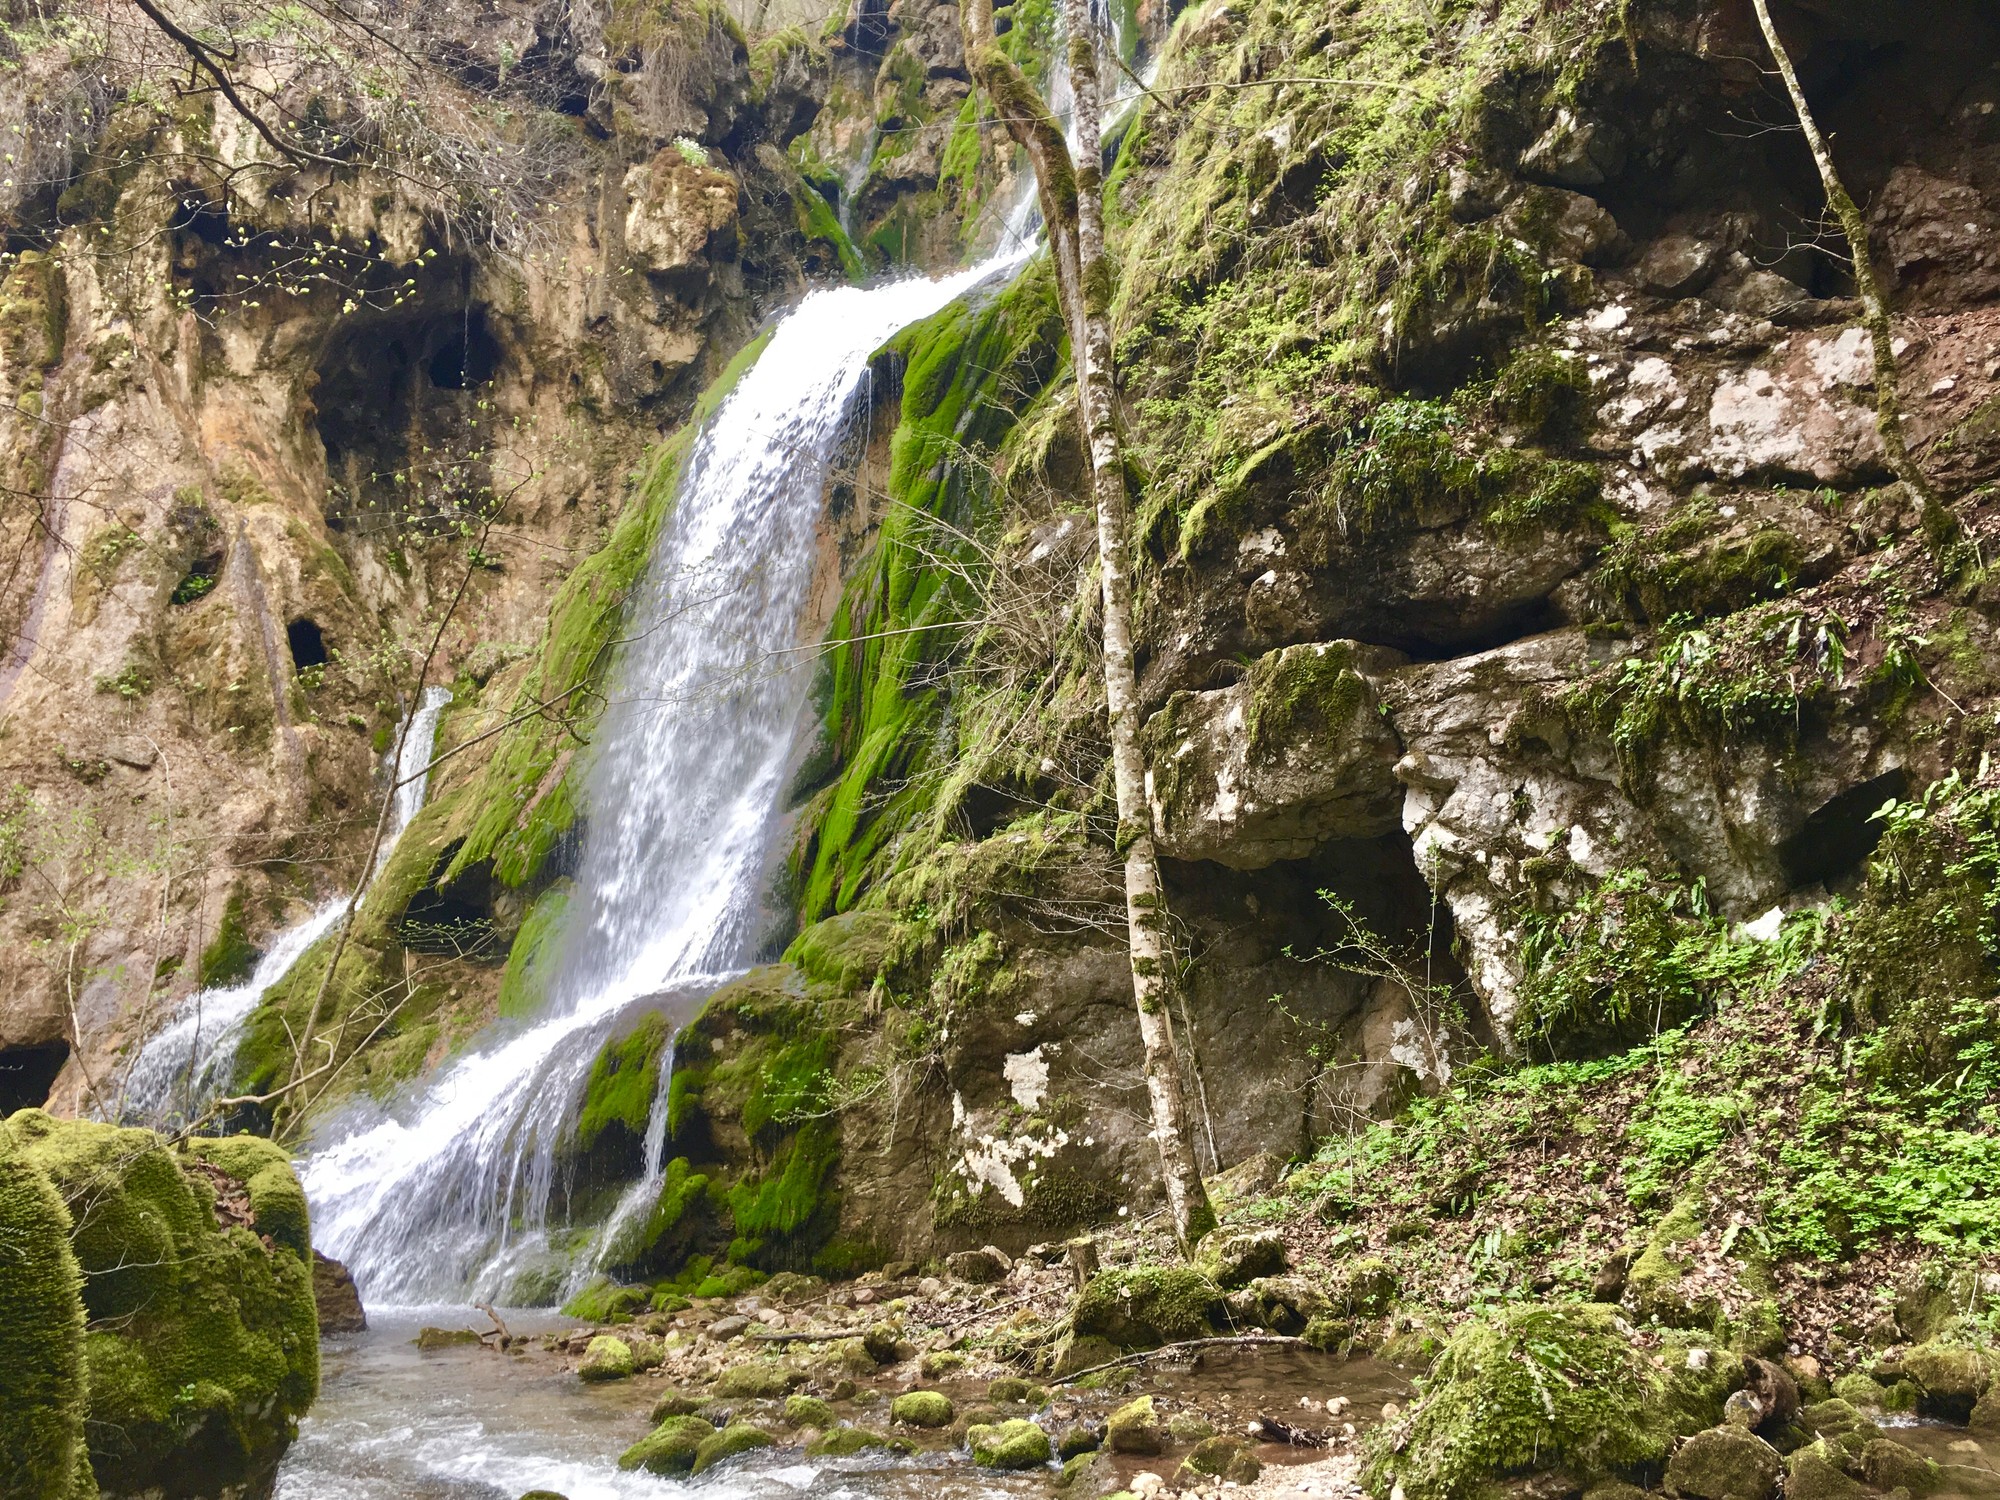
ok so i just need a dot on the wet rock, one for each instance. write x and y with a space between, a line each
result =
738 1437
1087 1474
669 1448
671 1403
1834 1417
1815 1473
723 1329
1133 1429
758 1380
845 1442
977 1267
607 1358
1888 1465
450 1338
1189 1427
1238 1259
1078 1438
1725 1463
922 1409
1226 1458
1013 1390
808 1411
1009 1445
1270 768
1678 265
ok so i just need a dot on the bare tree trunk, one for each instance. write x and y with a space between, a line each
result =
1145 899
1875 307
1072 206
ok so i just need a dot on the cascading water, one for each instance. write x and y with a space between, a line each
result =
187 1063
449 1191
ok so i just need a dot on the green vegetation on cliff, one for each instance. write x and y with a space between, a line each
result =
43 1394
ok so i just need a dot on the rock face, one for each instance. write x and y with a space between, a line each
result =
202 1350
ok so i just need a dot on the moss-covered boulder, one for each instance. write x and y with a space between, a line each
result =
1132 1428
737 1437
1227 1458
922 1409
669 1448
1233 1260
607 1358
808 1411
1012 1390
1537 1387
1950 1377
759 1380
201 1349
845 1442
1725 1463
1148 1306
1888 1465
42 1398
1009 1445
1815 1472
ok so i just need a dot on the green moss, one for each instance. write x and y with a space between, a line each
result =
605 1301
669 1448
738 1437
229 957
202 1339
848 951
922 1409
43 1400
607 1358
1148 1306
1535 1388
531 957
624 1080
1292 693
1009 1445
845 1442
265 1170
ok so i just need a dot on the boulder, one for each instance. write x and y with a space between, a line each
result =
737 1437
977 1267
1725 1463
1679 265
607 1358
1576 152
1012 1390
845 1442
1888 1465
1133 1429
336 1298
669 1448
1009 1445
1148 1306
1078 1437
922 1409
1816 1473
1227 1458
759 1380
1236 1260
1269 769
431 1338
808 1411
1950 1378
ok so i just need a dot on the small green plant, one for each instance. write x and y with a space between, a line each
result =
691 151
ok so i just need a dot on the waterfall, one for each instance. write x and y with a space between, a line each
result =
449 1189
189 1061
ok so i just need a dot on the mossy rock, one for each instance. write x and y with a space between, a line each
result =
1725 1463
939 1363
808 1411
1950 1378
669 1448
42 1397
1009 1445
759 1380
1132 1428
1815 1472
845 1442
1834 1417
737 1437
1226 1458
671 1403
1189 1427
1235 1260
1147 1307
1079 1353
202 1349
1012 1390
1534 1387
1888 1465
607 1358
922 1409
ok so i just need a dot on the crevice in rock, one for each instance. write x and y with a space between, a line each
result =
1833 846
456 920
308 643
28 1073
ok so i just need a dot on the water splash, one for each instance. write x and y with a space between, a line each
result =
451 1188
188 1063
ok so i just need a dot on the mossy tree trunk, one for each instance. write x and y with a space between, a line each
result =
1938 523
1073 209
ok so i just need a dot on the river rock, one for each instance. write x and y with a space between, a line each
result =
1889 1465
1228 1458
724 1329
845 1442
670 1448
1817 1472
1725 1463
1133 1429
1950 1378
737 1437
922 1409
432 1338
1236 1260
1009 1445
336 1297
607 1358
977 1267
759 1380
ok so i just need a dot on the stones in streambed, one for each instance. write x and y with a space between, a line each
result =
335 1298
808 1411
430 1339
922 1409
669 1448
1016 1444
607 1358
1133 1428
845 1442
1950 1378
1012 1390
672 1403
737 1437
759 1379
1725 1463
1227 1458
1079 1438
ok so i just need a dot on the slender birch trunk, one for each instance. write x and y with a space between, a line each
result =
1073 207
1875 307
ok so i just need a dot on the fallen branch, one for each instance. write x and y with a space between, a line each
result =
1240 1341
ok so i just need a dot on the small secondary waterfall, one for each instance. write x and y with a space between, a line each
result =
450 1189
187 1062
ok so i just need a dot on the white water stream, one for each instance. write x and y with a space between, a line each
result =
448 1192
189 1061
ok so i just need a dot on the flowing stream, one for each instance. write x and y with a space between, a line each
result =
188 1062
448 1192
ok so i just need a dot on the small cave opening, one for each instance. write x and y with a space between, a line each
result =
200 579
455 920
28 1073
465 358
1835 841
308 643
